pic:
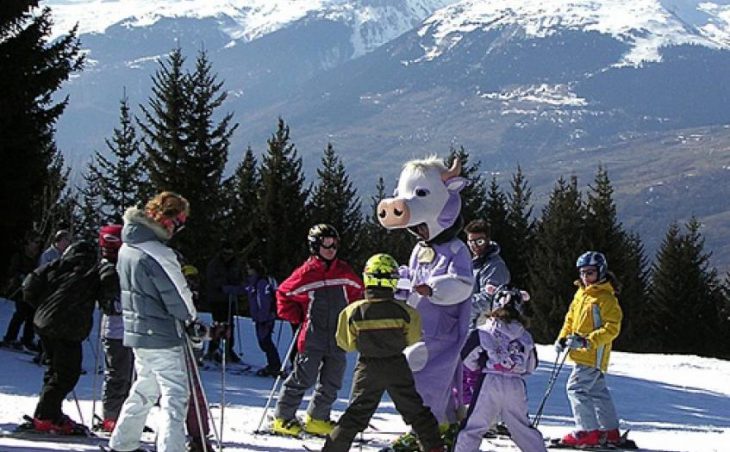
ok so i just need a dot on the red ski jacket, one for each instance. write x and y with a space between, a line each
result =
313 296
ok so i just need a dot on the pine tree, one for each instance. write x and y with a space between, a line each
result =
558 243
119 180
203 162
282 205
32 71
516 242
165 134
625 257
334 201
684 294
495 211
472 196
398 242
242 219
89 209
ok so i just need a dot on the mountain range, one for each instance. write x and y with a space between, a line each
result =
556 86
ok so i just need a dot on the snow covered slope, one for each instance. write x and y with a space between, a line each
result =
646 25
670 402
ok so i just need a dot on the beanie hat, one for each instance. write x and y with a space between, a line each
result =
110 240
60 235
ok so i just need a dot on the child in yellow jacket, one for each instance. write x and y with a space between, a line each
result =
591 325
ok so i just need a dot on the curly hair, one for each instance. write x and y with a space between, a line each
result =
167 205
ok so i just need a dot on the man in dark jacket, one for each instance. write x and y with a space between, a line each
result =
261 294
313 296
21 264
380 327
65 293
224 273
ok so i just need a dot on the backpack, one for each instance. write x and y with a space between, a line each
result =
36 287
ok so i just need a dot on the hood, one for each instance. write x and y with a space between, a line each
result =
513 330
138 228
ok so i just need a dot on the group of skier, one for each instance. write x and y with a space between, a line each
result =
443 332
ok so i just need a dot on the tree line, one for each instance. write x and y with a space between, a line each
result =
180 141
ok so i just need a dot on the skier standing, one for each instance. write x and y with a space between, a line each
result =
157 304
591 325
223 270
503 350
22 263
380 327
261 292
313 296
489 270
118 359
64 293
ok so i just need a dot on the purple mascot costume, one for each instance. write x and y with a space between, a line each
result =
439 277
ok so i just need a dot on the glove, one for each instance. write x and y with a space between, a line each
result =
196 331
560 345
575 341
220 330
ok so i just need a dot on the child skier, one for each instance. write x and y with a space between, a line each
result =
380 327
313 296
261 292
505 352
592 323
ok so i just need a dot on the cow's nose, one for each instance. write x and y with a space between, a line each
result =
393 213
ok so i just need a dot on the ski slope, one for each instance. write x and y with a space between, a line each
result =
670 402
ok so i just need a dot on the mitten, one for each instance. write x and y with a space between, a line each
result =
196 331
575 341
560 345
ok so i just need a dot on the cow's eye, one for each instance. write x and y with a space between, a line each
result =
421 192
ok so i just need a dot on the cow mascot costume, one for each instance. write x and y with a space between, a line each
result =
438 280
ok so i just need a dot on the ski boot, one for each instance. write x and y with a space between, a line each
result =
318 427
65 426
582 439
196 445
284 427
407 442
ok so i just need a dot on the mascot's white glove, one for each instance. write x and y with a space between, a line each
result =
417 356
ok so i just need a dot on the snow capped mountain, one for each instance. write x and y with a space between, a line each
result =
645 25
374 22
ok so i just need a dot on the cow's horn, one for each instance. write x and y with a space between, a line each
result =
454 171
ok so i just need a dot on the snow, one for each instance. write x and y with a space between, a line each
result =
646 25
670 402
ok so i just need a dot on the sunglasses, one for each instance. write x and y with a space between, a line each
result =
587 272
332 245
477 242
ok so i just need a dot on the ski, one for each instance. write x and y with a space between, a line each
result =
624 445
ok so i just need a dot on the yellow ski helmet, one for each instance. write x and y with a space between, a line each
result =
189 271
381 270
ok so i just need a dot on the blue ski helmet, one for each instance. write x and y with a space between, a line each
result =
593 259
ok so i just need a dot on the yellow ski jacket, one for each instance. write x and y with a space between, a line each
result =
595 315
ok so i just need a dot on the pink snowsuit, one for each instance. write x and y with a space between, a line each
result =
505 352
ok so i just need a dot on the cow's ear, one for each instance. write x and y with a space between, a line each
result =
456 184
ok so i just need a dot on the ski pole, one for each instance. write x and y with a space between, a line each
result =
551 382
278 378
78 406
196 372
96 373
194 393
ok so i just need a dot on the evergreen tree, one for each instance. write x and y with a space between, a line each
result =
282 205
624 253
335 201
516 241
472 196
495 211
558 243
119 181
203 162
89 209
398 242
164 129
242 220
684 295
32 71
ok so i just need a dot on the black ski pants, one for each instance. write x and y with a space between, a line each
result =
61 376
118 373
373 376
224 312
23 316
